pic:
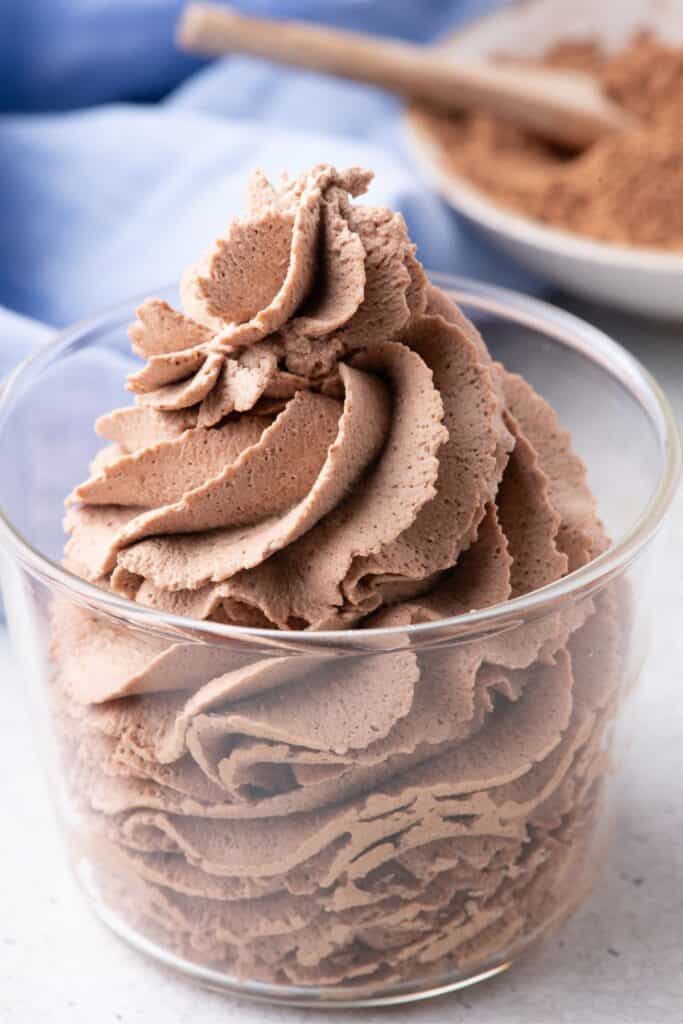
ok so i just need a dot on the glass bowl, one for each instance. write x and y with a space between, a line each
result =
291 872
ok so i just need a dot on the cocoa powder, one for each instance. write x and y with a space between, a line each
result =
626 189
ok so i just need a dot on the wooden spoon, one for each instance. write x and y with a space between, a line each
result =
568 108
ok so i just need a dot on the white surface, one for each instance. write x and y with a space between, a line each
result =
619 960
642 280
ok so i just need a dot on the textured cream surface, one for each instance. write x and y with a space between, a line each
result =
332 447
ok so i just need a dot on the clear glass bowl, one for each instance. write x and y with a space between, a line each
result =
277 875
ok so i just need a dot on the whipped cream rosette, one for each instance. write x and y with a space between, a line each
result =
321 440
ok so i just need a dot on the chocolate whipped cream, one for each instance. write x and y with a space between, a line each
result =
321 440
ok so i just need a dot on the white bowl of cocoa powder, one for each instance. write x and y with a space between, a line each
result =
606 223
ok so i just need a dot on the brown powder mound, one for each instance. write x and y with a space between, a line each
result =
626 190
322 440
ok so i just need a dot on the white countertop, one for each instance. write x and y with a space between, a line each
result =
619 960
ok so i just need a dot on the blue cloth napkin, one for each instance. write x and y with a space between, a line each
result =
121 158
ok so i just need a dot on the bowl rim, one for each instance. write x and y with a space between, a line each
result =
477 206
563 327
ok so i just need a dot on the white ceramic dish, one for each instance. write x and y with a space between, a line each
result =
644 281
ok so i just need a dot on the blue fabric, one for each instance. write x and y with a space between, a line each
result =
120 158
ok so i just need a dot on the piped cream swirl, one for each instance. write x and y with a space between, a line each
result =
320 436
322 440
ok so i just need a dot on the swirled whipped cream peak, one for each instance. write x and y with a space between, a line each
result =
320 439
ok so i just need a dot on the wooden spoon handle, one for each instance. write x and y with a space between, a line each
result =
565 107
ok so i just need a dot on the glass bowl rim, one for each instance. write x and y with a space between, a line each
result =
561 326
